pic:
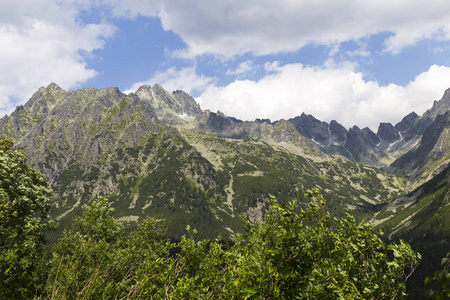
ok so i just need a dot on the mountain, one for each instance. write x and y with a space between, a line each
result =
102 142
433 146
365 146
175 108
421 218
155 153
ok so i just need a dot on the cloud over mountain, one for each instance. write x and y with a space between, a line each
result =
41 42
219 52
328 94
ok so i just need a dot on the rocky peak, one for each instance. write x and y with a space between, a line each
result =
54 87
407 122
80 126
144 89
218 122
333 138
387 132
405 134
338 133
175 108
355 144
45 99
370 137
354 141
430 148
112 91
51 88
362 144
263 121
189 105
439 107
158 89
311 128
281 131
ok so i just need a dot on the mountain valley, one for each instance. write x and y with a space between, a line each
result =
155 153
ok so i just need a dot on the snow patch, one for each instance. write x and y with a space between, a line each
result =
186 117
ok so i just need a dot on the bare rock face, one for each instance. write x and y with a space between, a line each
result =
439 107
434 146
78 126
363 145
257 214
175 108
407 122
313 129
338 133
93 142
355 144
263 130
387 132
423 139
188 104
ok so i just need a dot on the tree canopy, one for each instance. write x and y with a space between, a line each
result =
24 220
297 253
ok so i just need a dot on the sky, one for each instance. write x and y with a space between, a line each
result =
358 62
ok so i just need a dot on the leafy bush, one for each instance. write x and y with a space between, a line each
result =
440 281
307 255
98 260
24 206
304 255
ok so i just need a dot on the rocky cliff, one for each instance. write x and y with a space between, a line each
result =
157 153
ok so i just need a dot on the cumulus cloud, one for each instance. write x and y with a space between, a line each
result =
242 68
185 79
231 28
44 41
339 94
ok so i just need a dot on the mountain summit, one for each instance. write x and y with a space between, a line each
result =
157 153
175 108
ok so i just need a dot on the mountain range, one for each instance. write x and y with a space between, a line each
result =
156 153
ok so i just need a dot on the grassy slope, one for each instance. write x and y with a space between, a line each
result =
422 218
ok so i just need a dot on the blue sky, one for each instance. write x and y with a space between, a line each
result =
358 62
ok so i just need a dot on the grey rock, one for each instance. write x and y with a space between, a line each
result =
387 132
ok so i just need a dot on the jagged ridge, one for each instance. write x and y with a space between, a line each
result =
102 142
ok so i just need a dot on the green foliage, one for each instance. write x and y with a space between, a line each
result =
99 261
24 206
440 281
84 256
298 256
295 254
98 221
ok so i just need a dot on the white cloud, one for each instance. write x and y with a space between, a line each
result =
360 51
329 94
242 68
232 27
185 79
42 42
